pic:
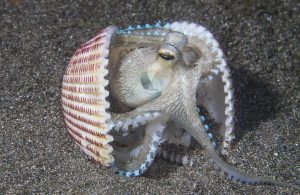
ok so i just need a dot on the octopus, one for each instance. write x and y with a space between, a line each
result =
129 94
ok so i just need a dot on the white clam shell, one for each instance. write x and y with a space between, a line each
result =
84 98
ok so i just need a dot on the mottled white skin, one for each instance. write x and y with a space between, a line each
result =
144 73
157 72
178 102
134 160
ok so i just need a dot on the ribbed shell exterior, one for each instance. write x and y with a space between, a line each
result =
84 98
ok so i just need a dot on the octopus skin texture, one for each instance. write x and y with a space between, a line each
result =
128 95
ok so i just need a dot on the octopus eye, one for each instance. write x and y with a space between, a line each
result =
166 56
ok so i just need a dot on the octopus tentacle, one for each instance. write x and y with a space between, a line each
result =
203 40
122 122
177 103
198 132
145 118
182 109
138 164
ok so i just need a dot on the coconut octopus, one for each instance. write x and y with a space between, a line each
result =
126 94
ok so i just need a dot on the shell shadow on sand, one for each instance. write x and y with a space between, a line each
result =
255 101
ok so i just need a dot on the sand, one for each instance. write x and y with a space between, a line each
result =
37 38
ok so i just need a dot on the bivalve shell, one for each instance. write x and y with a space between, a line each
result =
84 98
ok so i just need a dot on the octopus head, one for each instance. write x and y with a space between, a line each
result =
144 73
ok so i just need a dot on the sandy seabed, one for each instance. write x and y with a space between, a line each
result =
37 38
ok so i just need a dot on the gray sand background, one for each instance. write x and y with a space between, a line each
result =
37 38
